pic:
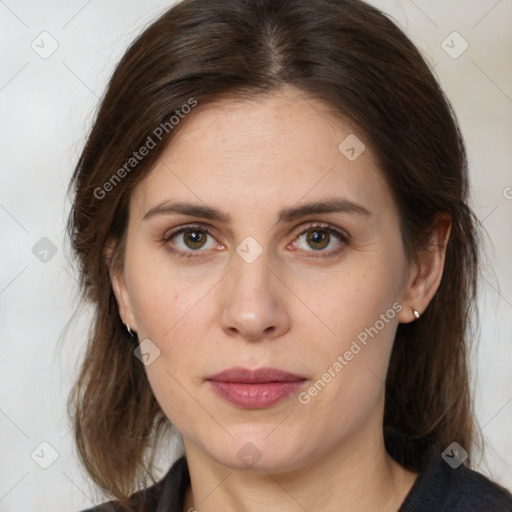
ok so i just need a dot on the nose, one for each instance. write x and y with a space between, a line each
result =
253 302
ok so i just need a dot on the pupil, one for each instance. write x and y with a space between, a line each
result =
195 238
318 237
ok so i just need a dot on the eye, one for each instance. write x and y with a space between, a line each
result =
323 239
189 239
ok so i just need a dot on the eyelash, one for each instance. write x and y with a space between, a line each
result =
331 230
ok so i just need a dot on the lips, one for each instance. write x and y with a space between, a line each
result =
260 375
255 389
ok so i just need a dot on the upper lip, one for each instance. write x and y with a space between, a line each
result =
259 375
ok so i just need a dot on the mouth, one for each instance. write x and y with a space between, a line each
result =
255 389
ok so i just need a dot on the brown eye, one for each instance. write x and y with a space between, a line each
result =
194 238
323 240
318 239
190 241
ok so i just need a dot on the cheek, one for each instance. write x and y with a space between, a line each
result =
360 306
345 301
162 294
350 373
173 319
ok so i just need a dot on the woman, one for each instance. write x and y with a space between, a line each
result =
271 221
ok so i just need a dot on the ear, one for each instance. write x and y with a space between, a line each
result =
119 285
426 273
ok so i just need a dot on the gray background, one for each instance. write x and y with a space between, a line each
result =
46 110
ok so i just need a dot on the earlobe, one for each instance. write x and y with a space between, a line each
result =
426 274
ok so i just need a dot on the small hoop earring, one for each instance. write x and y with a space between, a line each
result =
416 314
128 327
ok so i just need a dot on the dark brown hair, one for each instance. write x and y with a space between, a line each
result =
349 55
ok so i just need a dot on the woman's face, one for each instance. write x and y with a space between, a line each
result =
316 291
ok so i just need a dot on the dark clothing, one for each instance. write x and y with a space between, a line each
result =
438 488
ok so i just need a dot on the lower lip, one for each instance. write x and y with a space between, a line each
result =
255 396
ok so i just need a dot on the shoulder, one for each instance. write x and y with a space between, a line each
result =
167 494
461 489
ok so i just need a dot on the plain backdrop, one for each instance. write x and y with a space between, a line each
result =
47 103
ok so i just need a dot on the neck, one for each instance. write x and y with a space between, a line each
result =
359 475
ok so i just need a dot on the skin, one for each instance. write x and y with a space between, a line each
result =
286 309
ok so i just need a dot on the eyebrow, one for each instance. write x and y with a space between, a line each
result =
333 205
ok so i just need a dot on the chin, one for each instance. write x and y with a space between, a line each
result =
258 451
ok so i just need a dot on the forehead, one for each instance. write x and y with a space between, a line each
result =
262 154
